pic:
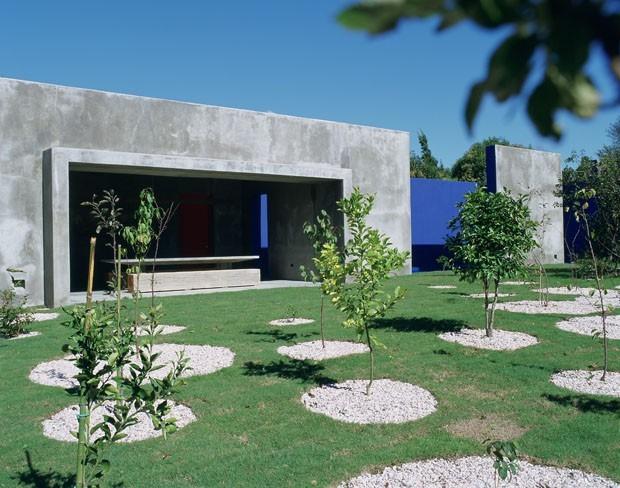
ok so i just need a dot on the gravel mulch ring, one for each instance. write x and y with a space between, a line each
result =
41 317
162 329
517 283
61 424
475 472
592 325
583 381
499 295
502 340
315 350
389 402
25 336
291 321
202 360
572 307
442 287
564 290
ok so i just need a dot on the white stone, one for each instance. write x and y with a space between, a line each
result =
291 321
502 340
202 360
517 283
442 287
389 402
592 325
61 425
41 317
162 330
583 381
315 350
25 335
499 295
568 307
475 472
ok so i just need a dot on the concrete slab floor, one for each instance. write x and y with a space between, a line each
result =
99 296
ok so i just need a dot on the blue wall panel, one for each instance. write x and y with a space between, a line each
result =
433 205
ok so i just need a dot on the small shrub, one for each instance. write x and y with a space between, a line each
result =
505 459
14 318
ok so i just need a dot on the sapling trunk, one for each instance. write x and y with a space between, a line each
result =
372 360
487 316
599 287
493 305
84 412
322 334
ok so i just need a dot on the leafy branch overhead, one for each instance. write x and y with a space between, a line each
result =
557 35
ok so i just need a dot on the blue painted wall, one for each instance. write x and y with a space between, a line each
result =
433 205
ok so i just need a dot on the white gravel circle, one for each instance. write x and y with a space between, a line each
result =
315 350
499 295
583 381
502 340
202 360
162 330
41 317
568 307
291 321
474 472
389 402
25 335
592 325
517 283
442 287
61 425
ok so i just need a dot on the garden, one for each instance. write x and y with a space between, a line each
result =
494 373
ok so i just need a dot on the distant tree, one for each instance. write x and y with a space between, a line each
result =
472 165
602 175
542 59
425 165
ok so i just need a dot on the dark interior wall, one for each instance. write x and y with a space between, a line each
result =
210 212
215 217
289 207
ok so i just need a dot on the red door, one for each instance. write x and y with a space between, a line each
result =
196 225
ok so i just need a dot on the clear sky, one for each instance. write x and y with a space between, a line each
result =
284 56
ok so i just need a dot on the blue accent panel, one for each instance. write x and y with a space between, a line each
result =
433 205
264 222
491 169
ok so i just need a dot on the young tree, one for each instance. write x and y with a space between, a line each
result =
115 373
359 270
493 234
321 233
107 213
580 208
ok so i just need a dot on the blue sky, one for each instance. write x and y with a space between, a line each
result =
282 56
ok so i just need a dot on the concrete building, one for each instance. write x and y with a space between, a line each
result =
60 145
536 174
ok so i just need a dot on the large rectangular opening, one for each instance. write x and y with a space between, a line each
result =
215 217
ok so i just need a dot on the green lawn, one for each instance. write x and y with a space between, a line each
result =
253 431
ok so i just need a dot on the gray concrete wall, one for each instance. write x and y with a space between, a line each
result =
35 117
536 174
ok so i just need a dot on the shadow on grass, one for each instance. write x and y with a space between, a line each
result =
419 324
31 476
290 370
586 405
274 335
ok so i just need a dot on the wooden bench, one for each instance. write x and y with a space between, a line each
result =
220 274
